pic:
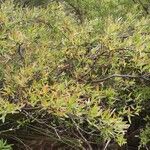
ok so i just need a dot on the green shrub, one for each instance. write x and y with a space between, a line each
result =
88 77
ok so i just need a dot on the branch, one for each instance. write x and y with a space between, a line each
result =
40 122
78 12
143 6
106 145
85 140
120 76
20 50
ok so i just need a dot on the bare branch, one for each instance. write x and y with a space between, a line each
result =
120 76
85 140
106 145
40 122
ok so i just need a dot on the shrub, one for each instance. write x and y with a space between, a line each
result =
65 79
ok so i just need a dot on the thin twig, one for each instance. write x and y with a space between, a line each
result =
40 122
52 136
18 140
106 145
120 76
143 6
85 140
20 51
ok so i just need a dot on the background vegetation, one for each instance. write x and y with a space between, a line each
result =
75 74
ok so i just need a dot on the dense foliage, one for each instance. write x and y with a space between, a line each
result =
76 72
